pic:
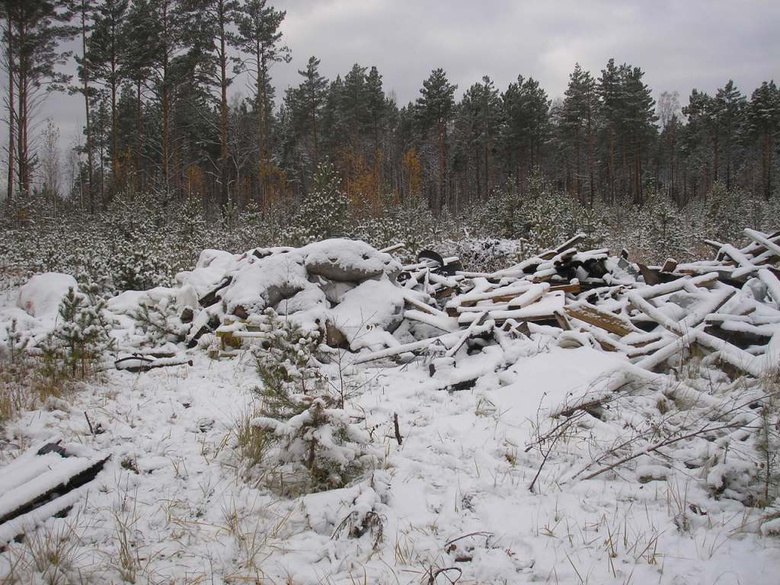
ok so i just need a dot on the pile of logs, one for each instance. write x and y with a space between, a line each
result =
729 305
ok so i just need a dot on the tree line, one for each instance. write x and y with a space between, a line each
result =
155 78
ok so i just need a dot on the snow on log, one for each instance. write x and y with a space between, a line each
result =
41 483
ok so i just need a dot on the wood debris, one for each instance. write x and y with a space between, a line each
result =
43 482
729 306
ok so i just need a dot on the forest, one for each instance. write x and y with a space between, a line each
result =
161 117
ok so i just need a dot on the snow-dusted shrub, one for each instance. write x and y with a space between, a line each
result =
485 254
286 363
305 436
161 322
323 213
80 337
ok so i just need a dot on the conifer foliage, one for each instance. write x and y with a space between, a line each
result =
312 439
81 337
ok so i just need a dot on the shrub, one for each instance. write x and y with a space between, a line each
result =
80 338
302 428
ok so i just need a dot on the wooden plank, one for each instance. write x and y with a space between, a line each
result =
595 316
500 294
470 332
445 341
393 248
570 243
669 265
420 306
542 310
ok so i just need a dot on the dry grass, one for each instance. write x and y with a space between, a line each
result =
25 386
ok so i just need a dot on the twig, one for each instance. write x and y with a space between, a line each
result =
89 423
398 436
444 571
655 447
478 533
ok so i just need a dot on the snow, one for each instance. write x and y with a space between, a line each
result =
451 500
40 297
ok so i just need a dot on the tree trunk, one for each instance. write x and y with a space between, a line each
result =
88 117
223 116
139 128
12 119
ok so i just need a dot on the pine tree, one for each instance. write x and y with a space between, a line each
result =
310 96
33 31
628 114
526 111
639 125
764 125
105 63
259 38
212 42
81 336
478 123
731 104
578 125
434 110
323 211
668 158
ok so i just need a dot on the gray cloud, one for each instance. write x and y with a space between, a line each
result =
679 44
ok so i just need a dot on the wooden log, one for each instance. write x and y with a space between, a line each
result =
144 363
737 357
736 255
442 322
673 347
772 284
40 481
764 240
650 292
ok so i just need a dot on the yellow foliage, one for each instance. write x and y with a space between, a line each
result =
412 172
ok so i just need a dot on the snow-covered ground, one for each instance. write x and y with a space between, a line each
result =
451 503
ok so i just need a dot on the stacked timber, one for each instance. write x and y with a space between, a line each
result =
728 306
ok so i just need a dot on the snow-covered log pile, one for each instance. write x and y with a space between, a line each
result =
346 289
363 300
728 305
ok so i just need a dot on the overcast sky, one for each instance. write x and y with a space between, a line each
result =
680 44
